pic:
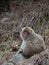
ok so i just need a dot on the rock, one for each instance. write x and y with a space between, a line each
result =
39 59
4 19
14 60
5 63
6 56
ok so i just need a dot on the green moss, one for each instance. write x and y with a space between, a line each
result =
46 31
3 47
1 53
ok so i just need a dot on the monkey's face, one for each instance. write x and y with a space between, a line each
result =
25 34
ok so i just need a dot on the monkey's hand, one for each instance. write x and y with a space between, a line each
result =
21 50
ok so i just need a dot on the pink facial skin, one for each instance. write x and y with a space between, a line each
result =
25 34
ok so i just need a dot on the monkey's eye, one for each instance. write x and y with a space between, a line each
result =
26 32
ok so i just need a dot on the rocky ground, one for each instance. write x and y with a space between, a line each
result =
39 59
35 15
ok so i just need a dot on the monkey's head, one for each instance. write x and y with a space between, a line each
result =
26 31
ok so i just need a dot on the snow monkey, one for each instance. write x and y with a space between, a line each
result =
32 43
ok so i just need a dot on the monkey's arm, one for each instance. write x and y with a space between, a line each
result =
23 46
